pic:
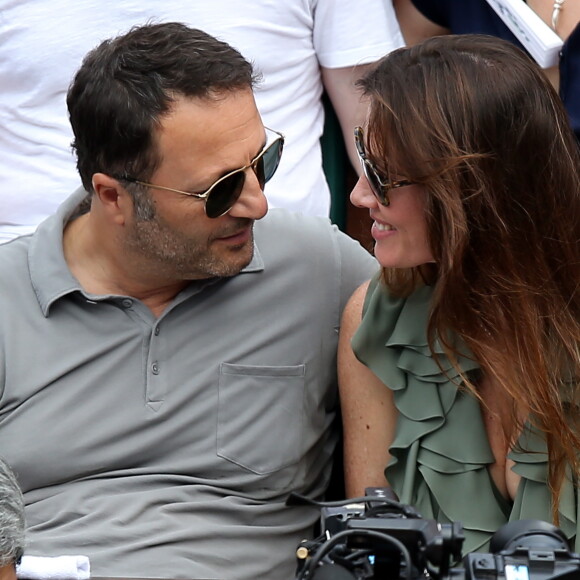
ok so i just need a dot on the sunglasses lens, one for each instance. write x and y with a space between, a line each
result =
271 159
375 183
266 165
224 195
368 169
259 170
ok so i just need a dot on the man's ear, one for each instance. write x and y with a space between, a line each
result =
113 199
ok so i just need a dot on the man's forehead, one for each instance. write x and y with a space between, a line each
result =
212 135
231 113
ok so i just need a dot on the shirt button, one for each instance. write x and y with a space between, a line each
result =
127 303
155 368
157 331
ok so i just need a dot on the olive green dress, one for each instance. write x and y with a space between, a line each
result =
440 453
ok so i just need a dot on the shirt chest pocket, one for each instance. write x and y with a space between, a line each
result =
260 416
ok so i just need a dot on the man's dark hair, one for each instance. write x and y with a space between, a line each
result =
126 84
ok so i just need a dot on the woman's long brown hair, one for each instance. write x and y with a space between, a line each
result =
475 121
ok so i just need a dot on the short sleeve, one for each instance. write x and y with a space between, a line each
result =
348 33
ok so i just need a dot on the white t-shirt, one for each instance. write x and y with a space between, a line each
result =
44 41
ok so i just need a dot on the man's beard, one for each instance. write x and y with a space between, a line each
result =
178 256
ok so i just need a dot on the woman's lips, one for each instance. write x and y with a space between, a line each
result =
381 230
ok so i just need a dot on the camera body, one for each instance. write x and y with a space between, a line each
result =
378 538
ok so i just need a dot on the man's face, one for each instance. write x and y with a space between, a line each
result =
200 140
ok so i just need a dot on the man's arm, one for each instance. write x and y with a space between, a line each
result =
368 411
414 26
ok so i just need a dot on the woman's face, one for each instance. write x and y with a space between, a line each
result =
399 229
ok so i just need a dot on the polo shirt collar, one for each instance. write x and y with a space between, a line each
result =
49 272
257 264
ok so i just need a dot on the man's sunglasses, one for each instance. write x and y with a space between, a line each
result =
223 194
379 187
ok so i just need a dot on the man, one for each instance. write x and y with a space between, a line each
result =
301 47
11 523
167 361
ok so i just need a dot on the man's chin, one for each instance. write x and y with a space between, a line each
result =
231 261
237 263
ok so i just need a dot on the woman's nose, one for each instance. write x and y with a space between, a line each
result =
361 195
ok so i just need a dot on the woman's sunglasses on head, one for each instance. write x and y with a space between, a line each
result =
223 193
379 186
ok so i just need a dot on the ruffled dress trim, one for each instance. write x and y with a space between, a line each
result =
440 454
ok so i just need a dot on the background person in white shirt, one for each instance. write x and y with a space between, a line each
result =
301 47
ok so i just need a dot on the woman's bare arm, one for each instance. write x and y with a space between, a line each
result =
368 411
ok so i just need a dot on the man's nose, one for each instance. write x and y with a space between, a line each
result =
252 202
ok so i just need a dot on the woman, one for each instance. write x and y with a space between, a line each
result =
462 374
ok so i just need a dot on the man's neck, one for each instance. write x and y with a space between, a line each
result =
96 261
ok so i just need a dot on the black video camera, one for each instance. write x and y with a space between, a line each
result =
377 538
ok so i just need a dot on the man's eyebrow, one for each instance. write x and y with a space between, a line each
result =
197 190
262 146
253 156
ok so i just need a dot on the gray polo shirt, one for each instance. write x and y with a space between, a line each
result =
166 447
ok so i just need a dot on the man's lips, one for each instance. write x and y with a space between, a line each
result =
237 237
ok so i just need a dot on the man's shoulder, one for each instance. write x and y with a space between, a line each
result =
15 281
14 252
309 240
285 226
294 221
